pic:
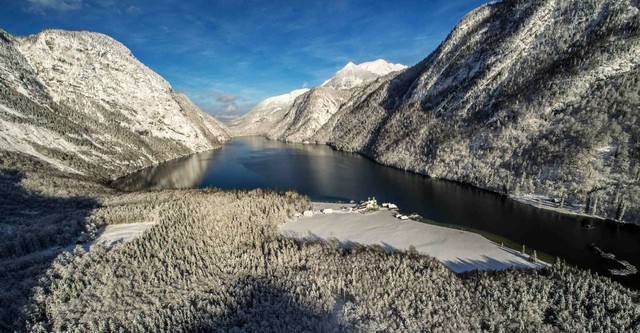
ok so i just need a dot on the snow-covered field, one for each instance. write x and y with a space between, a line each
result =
460 251
114 234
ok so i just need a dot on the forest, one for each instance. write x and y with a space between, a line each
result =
215 261
494 106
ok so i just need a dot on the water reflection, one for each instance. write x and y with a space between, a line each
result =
186 172
324 174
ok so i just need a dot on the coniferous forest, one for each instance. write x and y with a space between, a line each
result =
216 262
524 97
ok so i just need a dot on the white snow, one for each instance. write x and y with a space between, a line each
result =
10 111
459 250
352 75
88 70
114 234
17 137
285 98
263 116
380 67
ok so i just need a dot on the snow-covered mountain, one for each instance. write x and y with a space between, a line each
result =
265 115
535 99
525 97
296 116
82 102
352 75
308 113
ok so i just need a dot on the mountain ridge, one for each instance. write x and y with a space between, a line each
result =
525 98
507 111
286 119
352 75
82 102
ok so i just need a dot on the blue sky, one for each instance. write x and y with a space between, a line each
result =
228 55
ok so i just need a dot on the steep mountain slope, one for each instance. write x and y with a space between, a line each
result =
297 116
307 114
523 97
82 102
265 115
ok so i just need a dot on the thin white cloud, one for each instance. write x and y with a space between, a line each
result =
41 6
132 10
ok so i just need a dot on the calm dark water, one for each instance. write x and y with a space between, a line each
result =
325 174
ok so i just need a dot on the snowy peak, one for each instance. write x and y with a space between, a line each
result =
264 116
297 115
381 67
352 75
284 98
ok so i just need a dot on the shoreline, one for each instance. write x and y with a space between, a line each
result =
460 251
519 198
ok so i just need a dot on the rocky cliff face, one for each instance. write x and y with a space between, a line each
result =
82 102
524 97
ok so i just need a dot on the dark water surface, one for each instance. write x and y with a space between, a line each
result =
328 175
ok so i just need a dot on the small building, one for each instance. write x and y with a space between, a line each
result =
370 204
307 213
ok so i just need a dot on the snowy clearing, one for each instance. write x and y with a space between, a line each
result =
460 251
120 233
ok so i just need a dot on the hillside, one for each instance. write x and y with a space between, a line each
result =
82 102
297 116
307 114
264 115
527 98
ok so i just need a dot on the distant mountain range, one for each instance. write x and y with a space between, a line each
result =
527 98
83 103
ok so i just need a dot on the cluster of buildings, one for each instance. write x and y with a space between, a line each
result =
371 204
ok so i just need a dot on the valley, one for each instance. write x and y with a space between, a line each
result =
126 206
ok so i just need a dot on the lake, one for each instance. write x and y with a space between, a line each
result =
328 175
